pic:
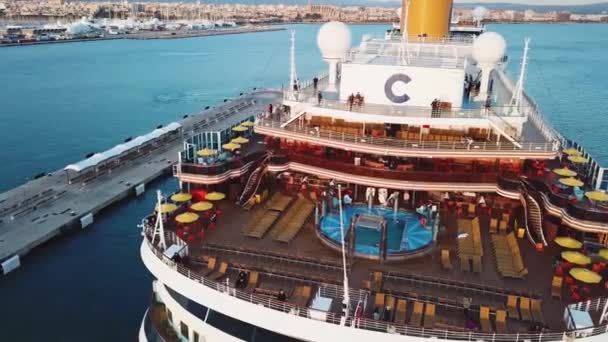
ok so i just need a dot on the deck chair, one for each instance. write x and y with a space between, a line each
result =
556 287
400 311
501 321
476 263
390 303
524 309
472 210
302 296
493 226
252 283
484 319
211 263
429 316
445 259
219 273
465 266
502 227
377 284
537 311
416 318
379 300
512 307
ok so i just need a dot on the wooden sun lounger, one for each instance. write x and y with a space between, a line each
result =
296 224
281 203
264 224
556 287
219 273
400 311
524 309
252 282
379 300
250 225
493 226
476 264
502 228
445 259
302 296
416 318
512 307
429 316
211 263
484 319
377 284
537 311
501 321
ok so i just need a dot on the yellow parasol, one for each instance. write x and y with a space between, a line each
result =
181 197
166 208
604 253
597 196
565 172
206 152
239 140
201 206
577 159
186 218
215 196
572 152
571 182
247 124
231 146
240 129
585 275
576 258
568 242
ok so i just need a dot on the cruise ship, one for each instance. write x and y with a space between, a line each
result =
412 191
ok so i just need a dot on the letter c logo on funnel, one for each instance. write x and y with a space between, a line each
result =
388 88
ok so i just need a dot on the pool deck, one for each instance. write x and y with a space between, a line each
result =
45 207
305 260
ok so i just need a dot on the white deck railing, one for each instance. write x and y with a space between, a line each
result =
365 323
406 144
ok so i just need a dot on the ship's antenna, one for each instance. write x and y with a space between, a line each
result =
293 77
159 226
518 94
346 297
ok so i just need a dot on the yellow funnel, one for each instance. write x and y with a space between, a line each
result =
426 18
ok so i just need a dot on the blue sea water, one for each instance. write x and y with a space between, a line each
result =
60 102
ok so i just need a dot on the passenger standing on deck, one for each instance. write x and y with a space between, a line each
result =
434 105
488 104
315 83
282 296
351 100
319 98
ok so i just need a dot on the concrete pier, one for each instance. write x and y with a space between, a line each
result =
43 208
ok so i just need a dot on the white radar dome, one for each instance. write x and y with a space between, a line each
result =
334 39
489 47
479 13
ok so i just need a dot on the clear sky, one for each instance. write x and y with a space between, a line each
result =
537 2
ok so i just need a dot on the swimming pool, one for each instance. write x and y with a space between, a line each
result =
405 232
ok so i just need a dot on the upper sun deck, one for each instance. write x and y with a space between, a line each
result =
309 261
447 53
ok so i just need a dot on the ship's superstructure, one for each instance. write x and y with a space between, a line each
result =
412 191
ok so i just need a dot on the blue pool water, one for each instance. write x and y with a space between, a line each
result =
405 232
60 102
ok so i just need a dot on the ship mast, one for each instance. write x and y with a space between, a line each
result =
346 297
518 94
159 226
292 62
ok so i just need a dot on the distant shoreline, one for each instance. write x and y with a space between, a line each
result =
148 35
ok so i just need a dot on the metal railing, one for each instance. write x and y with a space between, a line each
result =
364 140
370 324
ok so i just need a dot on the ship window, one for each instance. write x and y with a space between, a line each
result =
194 336
229 325
183 328
193 307
169 316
